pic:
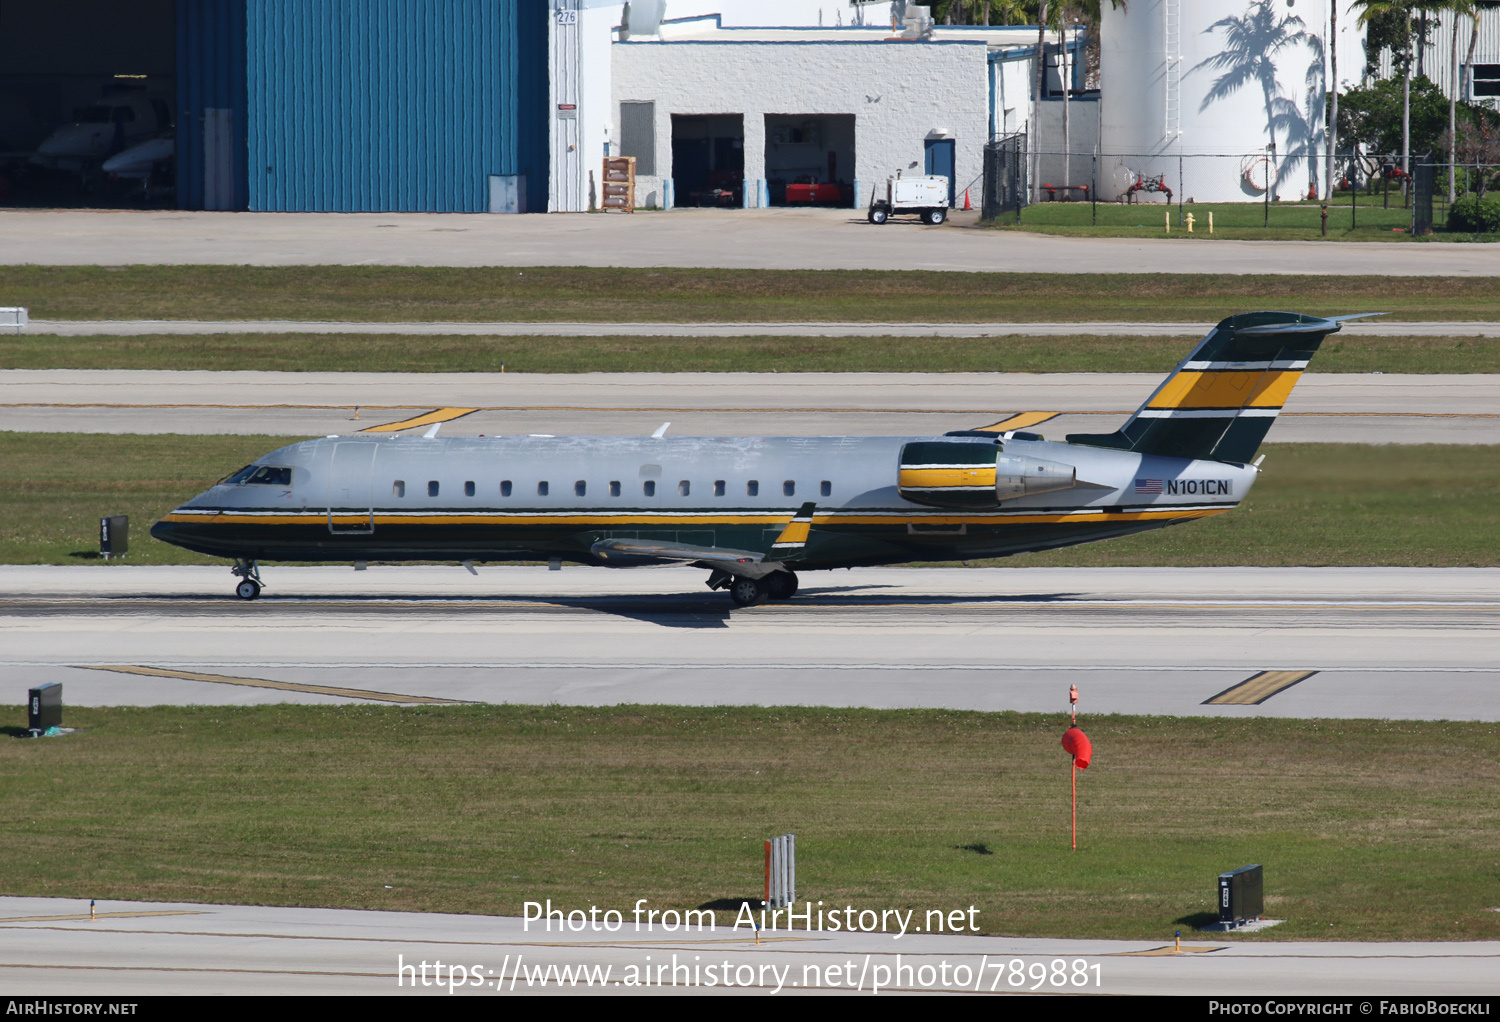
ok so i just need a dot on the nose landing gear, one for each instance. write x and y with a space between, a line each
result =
249 573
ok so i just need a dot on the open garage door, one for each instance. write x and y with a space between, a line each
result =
708 159
810 159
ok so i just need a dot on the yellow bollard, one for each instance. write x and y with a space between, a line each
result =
1169 221
1210 222
1190 220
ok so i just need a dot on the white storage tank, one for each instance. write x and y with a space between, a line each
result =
1198 77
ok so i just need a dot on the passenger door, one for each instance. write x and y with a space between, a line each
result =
351 478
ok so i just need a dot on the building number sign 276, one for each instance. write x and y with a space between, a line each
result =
567 17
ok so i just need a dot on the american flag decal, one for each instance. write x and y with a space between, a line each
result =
1148 486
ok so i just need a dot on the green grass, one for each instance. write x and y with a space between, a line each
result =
564 294
1333 504
1288 221
1369 830
458 354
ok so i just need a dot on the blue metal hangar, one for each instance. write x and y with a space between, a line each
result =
280 105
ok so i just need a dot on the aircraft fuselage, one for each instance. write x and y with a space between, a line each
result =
568 498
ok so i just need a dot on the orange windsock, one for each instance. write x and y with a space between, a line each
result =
1077 745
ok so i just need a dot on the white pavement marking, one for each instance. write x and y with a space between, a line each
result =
760 239
267 950
137 327
1396 643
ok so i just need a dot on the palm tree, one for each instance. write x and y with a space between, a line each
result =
1332 130
1371 9
1249 55
1458 8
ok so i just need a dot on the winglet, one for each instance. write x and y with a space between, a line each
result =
661 431
794 537
432 430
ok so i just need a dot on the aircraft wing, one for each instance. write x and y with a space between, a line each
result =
636 552
654 551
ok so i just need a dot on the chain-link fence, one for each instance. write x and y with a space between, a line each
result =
1239 194
1004 190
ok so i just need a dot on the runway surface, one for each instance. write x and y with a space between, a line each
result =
754 239
138 327
1352 642
49 946
1331 407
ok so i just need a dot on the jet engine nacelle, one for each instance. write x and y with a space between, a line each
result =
1019 476
970 474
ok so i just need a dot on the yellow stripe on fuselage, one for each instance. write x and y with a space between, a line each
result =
1232 389
897 519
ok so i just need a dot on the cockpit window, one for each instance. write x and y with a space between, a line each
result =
269 475
241 476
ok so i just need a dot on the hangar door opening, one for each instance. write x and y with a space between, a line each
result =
708 159
810 159
87 90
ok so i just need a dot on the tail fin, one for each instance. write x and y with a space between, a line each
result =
1222 399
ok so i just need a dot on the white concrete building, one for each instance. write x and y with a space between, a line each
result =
750 104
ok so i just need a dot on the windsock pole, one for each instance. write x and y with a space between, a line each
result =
1072 760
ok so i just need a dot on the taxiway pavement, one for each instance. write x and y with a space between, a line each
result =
754 239
148 327
1327 407
49 946
1382 642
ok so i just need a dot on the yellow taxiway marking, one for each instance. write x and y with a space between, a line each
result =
287 686
100 915
1166 950
1258 688
438 415
1020 420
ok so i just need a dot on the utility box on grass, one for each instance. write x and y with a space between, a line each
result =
44 707
1241 895
114 536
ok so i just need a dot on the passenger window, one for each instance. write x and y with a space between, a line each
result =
469 488
580 489
826 488
614 488
432 488
649 487
505 487
789 488
541 489
398 488
718 487
684 488
752 488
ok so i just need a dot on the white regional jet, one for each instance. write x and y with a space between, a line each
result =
755 511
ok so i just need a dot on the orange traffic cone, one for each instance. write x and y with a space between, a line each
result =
966 199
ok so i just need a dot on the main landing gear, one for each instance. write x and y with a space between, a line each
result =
747 592
249 573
